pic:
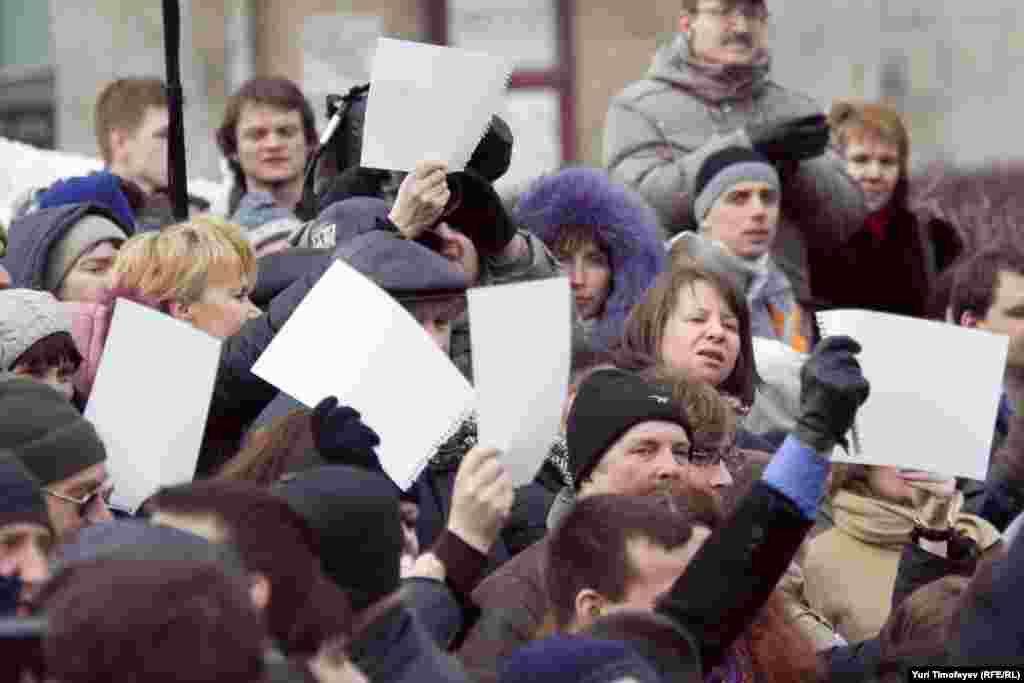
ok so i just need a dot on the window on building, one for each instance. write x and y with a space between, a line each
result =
26 73
540 106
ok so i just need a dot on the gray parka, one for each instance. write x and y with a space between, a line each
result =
660 129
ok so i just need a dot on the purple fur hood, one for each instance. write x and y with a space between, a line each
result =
625 223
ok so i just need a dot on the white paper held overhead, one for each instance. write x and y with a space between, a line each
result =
350 339
428 102
934 392
521 353
151 415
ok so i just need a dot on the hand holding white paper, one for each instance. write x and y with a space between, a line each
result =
429 102
151 415
350 339
934 392
521 354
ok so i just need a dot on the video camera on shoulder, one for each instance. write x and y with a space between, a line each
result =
341 147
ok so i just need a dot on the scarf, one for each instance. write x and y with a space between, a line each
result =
881 523
558 456
877 222
451 452
712 83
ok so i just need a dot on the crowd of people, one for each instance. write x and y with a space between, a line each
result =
687 523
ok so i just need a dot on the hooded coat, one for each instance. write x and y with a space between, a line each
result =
626 227
659 131
31 238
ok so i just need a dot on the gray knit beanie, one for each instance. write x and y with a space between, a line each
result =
26 316
45 432
83 236
725 168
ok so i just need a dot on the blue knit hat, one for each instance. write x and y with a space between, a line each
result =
102 187
578 659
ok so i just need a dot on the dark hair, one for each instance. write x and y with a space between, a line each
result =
277 92
55 350
273 450
602 526
976 279
917 631
645 327
122 621
305 609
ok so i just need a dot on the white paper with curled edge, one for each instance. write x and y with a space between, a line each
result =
521 354
151 415
348 338
935 392
429 102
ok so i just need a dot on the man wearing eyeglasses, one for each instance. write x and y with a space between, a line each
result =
61 449
710 89
625 435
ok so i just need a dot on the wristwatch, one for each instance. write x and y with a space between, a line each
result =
927 533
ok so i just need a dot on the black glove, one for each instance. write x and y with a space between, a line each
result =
790 139
341 437
476 210
832 388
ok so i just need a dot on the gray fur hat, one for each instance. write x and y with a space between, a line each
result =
26 316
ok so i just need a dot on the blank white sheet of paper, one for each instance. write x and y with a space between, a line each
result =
521 353
934 391
429 102
350 339
151 414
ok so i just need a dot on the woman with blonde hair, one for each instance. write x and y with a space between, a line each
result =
892 262
201 272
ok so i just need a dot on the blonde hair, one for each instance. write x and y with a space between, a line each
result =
174 264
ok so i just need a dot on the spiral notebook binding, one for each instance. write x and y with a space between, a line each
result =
854 437
452 430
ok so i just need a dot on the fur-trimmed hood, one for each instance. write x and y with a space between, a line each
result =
625 223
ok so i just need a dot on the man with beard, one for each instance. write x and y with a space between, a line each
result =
710 89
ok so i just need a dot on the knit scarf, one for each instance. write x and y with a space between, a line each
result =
712 83
881 523
558 456
451 452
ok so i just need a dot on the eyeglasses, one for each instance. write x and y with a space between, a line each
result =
752 13
710 457
104 492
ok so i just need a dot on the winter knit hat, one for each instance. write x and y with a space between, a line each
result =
21 500
607 405
725 168
26 316
45 432
102 188
578 659
83 236
355 513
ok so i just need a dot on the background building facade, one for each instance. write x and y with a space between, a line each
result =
950 66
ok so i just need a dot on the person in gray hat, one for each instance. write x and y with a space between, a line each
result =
66 250
61 449
35 339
